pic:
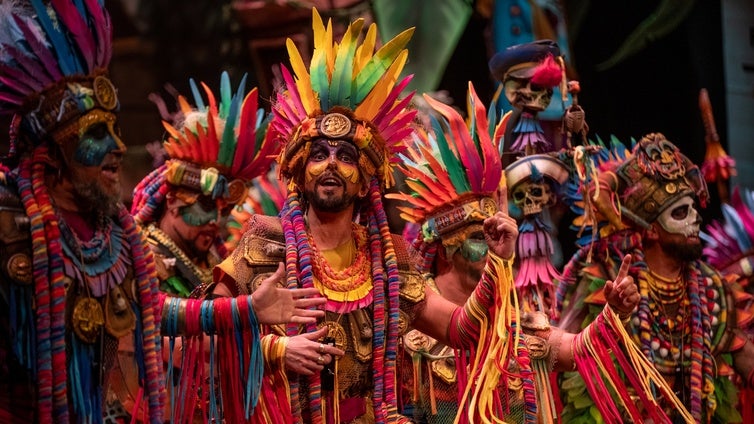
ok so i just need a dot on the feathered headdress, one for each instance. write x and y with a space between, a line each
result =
53 60
216 151
730 243
349 92
453 173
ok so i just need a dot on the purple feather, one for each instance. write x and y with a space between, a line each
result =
16 80
27 75
10 99
78 28
40 50
101 24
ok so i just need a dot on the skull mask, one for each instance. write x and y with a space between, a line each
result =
681 218
521 93
533 197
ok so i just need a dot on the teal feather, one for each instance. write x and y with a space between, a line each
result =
225 96
229 142
341 82
452 164
198 100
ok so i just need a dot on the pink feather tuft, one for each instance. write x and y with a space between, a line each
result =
548 73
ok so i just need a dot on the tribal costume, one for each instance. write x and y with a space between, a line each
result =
77 276
688 327
348 93
211 161
453 175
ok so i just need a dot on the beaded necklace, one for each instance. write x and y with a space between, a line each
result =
353 282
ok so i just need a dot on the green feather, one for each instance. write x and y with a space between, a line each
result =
229 139
454 167
224 96
377 66
341 82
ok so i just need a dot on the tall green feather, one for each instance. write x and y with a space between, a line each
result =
380 62
451 162
342 80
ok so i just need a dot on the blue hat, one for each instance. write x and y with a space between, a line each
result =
520 60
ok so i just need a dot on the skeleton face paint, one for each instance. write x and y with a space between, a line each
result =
681 218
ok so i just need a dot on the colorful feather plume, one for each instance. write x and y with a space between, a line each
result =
351 76
456 160
42 43
231 136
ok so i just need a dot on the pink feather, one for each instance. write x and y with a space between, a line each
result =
548 73
246 138
388 104
295 100
101 24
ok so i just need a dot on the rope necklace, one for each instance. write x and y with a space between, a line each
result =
158 235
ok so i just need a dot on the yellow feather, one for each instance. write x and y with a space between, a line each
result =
303 81
318 27
374 100
365 51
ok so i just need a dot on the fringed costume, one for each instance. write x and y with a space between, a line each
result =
79 280
688 327
453 175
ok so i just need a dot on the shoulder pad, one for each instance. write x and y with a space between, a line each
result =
15 237
263 243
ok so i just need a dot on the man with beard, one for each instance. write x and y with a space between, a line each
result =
687 322
184 203
342 123
76 275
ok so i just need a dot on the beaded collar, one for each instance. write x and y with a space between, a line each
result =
102 261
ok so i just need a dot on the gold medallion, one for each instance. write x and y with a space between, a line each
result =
88 319
19 268
335 125
104 92
337 333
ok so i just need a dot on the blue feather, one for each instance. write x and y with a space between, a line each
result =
66 56
198 101
733 221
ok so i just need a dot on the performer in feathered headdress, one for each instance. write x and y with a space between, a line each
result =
342 121
687 322
77 277
213 154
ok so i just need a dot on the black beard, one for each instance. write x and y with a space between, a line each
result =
92 198
683 252
329 204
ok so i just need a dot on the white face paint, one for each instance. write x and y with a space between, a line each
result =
681 218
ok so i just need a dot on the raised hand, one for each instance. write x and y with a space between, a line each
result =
275 305
500 230
306 355
622 295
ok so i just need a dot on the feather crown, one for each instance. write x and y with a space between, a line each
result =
349 92
53 64
220 147
453 172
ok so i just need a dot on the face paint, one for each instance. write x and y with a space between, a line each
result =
681 218
96 142
199 213
340 155
474 250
